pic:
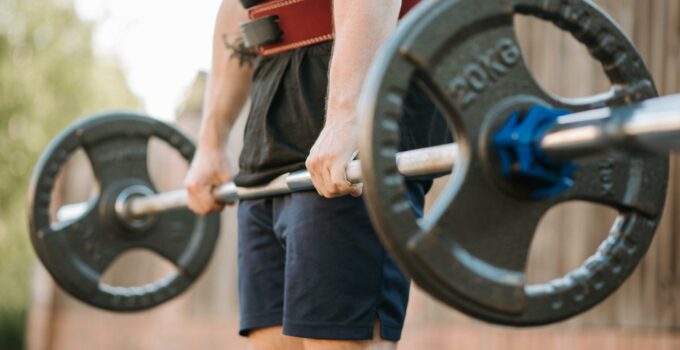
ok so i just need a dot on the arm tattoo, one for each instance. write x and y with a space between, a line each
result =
245 55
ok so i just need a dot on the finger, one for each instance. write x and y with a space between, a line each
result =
328 186
217 207
216 204
357 190
318 177
319 182
197 207
207 200
314 175
224 177
340 184
201 200
192 201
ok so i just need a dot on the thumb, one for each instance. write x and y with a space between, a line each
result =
357 190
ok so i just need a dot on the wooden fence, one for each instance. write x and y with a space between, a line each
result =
644 313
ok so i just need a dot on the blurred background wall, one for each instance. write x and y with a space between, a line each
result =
50 75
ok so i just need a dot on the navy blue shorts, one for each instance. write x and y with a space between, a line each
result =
317 267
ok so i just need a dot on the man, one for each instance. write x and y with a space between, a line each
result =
312 272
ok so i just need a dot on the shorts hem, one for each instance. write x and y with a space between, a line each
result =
249 324
339 331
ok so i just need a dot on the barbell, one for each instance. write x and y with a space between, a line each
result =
518 152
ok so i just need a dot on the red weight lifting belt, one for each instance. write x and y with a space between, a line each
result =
281 25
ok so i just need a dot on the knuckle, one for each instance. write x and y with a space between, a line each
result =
194 187
316 174
323 191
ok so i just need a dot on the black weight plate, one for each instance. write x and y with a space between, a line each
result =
471 250
76 253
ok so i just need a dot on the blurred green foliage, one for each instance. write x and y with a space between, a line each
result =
49 76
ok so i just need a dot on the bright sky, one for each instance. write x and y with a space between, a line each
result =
161 44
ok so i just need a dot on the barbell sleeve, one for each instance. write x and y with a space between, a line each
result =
652 126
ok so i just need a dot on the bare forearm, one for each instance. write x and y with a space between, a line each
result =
361 27
229 79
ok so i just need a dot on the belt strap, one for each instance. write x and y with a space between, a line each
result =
282 25
261 31
251 3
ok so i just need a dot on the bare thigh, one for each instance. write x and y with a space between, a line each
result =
376 343
272 338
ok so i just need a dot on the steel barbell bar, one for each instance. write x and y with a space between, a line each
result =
649 126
